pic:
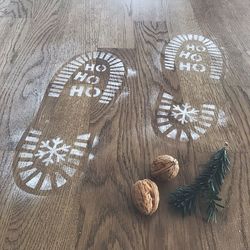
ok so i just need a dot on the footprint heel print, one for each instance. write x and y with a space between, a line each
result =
47 165
183 122
59 141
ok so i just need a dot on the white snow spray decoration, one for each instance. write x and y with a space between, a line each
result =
222 118
183 122
185 53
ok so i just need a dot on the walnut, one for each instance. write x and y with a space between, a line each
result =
145 195
165 167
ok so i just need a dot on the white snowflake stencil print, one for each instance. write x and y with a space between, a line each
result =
185 113
52 151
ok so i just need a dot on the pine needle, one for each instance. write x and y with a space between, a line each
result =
207 186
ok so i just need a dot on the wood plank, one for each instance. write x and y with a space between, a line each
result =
121 33
160 57
37 222
26 75
233 31
151 10
13 32
7 188
16 9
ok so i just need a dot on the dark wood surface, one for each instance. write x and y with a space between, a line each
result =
88 206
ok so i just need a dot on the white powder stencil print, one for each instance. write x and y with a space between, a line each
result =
184 122
45 166
131 72
187 52
51 151
82 69
222 119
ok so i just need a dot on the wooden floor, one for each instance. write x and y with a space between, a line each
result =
78 129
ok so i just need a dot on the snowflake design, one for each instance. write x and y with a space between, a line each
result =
52 151
184 113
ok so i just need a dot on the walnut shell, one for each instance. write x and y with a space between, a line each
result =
145 195
164 168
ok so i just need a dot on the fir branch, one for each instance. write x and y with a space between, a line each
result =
184 199
213 206
208 184
214 173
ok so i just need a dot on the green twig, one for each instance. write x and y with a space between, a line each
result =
207 185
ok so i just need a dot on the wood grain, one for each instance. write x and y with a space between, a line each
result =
28 78
16 9
94 210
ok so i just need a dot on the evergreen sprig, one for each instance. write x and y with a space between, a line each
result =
207 186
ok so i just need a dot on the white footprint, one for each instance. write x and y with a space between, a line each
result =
51 150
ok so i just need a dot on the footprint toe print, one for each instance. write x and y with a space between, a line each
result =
59 141
194 53
84 71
